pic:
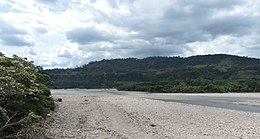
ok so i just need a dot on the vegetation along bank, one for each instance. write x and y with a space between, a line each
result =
24 98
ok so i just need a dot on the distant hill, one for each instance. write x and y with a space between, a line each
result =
116 72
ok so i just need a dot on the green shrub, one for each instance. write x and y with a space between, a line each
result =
24 95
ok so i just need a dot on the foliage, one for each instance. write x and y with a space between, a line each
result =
192 86
24 94
32 132
220 73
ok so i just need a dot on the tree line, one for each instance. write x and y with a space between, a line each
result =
173 74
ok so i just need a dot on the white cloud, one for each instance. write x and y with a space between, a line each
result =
68 55
222 44
2 2
227 44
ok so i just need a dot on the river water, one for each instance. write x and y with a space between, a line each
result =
235 101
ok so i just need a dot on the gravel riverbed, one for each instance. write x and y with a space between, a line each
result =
120 117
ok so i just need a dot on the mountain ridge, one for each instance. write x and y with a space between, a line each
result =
108 73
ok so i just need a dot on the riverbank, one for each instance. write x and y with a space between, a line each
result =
81 116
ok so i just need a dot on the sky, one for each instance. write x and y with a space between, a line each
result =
70 33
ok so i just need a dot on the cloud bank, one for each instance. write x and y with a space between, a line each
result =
69 33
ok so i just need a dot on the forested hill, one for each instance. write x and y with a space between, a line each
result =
155 70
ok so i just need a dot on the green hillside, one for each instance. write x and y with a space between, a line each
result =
206 73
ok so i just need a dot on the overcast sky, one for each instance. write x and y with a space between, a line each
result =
69 33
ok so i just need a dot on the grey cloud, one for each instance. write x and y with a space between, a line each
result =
11 35
190 21
233 25
8 29
211 4
15 41
66 54
88 35
48 1
133 48
41 30
31 51
156 50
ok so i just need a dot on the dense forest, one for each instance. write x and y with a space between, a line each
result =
204 73
24 98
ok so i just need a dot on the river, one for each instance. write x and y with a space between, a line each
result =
249 102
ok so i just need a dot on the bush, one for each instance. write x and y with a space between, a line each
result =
24 95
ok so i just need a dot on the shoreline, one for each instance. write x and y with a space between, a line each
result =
80 116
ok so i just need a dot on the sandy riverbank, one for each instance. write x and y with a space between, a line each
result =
80 116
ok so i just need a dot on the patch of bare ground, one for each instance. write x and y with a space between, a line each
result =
122 117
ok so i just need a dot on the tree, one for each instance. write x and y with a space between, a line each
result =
24 95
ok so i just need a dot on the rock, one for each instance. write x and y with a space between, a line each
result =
59 99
